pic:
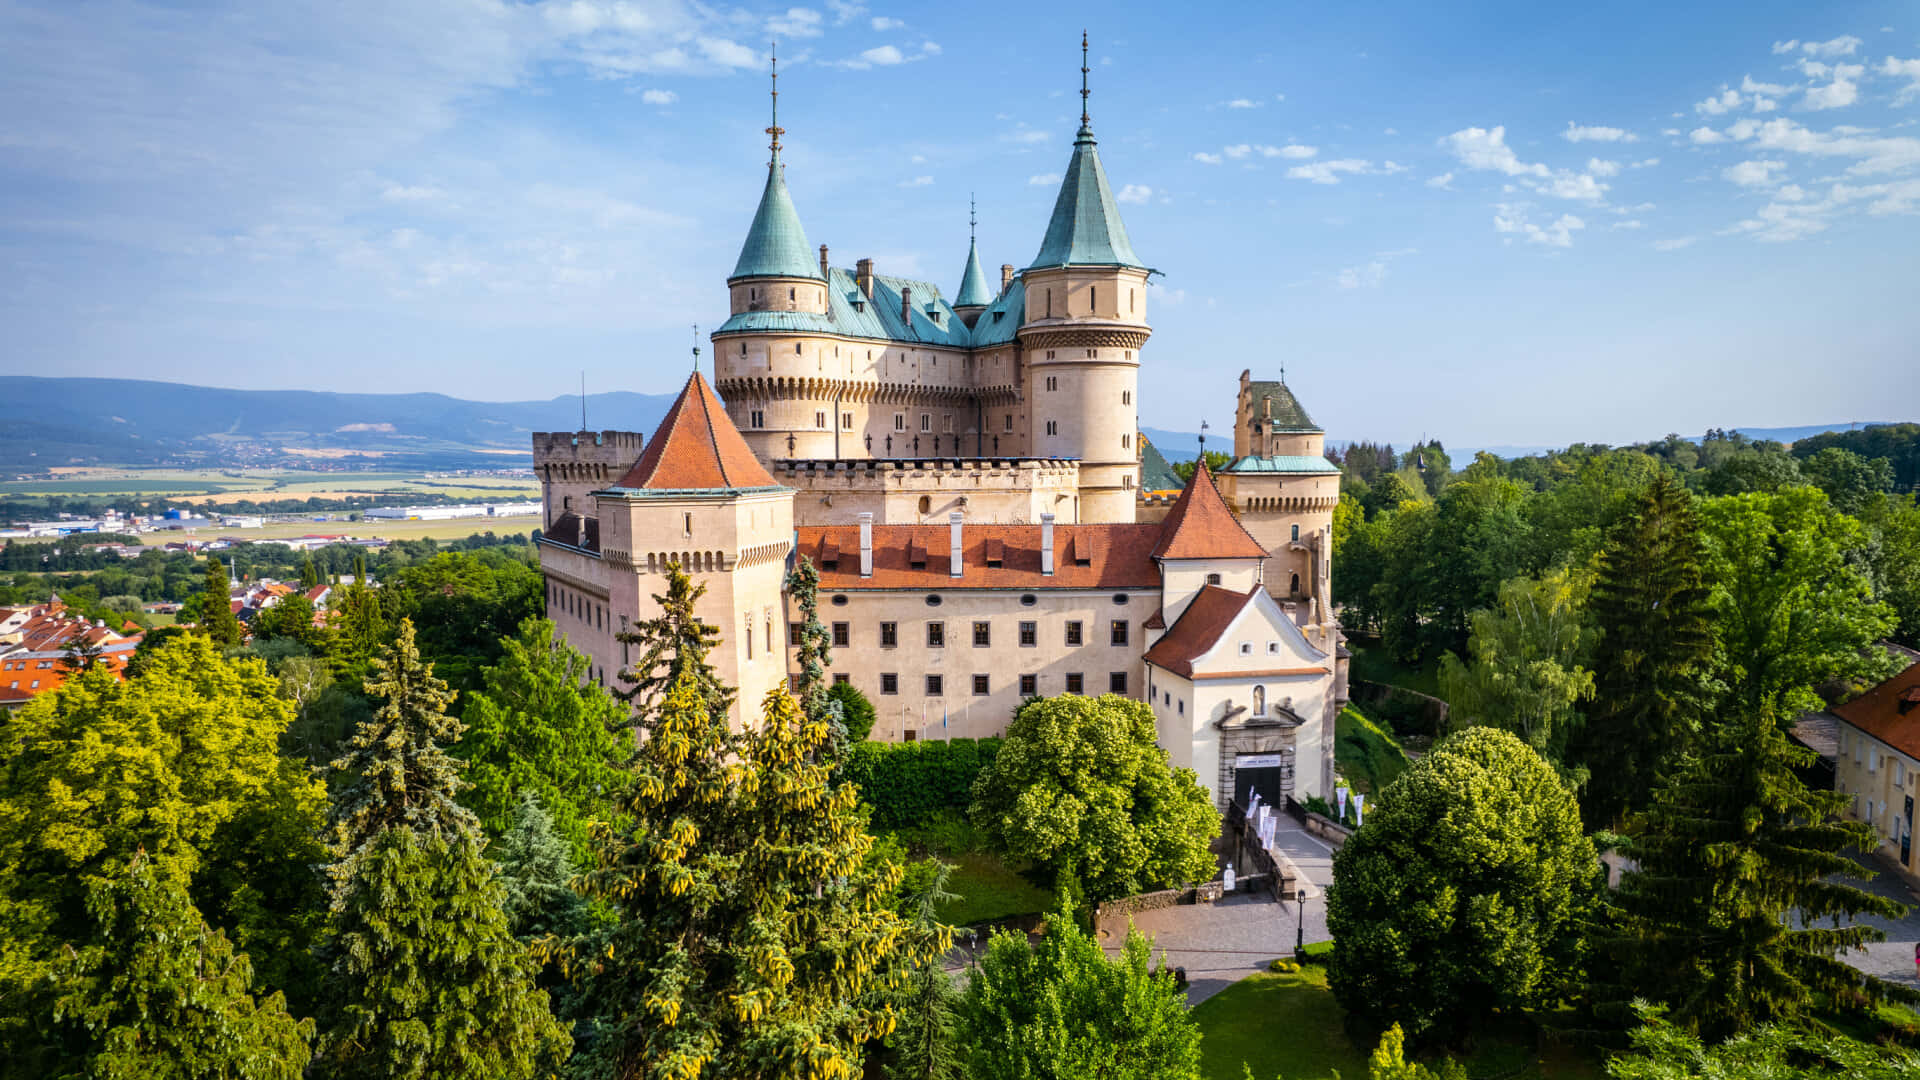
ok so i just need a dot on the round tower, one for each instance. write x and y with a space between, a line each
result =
1085 322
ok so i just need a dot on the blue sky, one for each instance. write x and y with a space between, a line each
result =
1490 223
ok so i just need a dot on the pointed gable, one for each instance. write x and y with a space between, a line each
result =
1200 526
696 446
1085 229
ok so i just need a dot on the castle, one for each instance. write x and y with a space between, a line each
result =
969 478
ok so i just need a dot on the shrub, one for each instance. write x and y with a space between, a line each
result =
908 784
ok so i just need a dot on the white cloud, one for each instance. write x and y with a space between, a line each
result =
1043 179
1841 92
1795 213
1840 46
1479 148
1135 193
1754 173
884 55
408 193
1674 243
1444 181
798 22
844 11
1292 150
1749 86
1705 136
1237 151
1578 133
1328 172
883 23
1873 154
930 48
1205 158
1714 106
1598 167
1243 103
1512 218
1902 69
1567 185
658 97
1634 223
1368 276
918 181
1645 163
1279 97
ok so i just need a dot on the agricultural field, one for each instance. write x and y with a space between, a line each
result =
456 529
227 485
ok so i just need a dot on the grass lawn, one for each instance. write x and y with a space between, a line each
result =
1367 754
1290 1026
1372 663
989 889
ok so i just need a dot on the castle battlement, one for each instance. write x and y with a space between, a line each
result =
558 443
919 490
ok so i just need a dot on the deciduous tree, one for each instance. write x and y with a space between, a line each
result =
1527 673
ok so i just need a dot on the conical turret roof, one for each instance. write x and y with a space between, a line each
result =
776 244
1086 229
973 282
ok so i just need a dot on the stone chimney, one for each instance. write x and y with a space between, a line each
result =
906 305
953 552
1046 543
866 543
823 262
1006 277
863 277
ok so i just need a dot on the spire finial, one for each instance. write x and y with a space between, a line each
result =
1084 122
775 129
973 218
696 347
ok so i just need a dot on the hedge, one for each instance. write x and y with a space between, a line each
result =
907 783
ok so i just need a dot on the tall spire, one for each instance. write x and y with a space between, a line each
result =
1085 229
776 244
974 292
1085 122
774 129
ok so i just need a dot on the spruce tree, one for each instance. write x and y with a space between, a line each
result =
924 1045
536 871
675 641
428 982
816 653
1737 860
399 774
748 938
1652 609
217 620
309 573
156 993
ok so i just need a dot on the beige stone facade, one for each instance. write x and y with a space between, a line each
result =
1877 749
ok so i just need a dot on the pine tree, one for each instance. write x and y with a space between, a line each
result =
428 982
1735 850
816 653
924 1045
536 870
217 620
538 725
309 573
675 641
157 993
1650 666
400 774
748 938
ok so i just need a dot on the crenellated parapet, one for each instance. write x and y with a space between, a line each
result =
919 490
571 464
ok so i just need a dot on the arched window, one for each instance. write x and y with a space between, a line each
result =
926 504
1293 587
1259 701
1296 532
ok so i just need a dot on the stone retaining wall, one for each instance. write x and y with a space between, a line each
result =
1205 893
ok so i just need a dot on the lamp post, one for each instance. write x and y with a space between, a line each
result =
1300 924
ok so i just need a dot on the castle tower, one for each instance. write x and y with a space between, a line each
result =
974 296
1085 321
572 464
1284 489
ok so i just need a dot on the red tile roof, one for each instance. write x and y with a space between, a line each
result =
1889 712
1200 526
1211 611
1121 557
697 446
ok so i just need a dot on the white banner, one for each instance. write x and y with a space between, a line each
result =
1343 803
1359 809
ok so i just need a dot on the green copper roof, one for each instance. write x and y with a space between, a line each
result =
1155 473
1086 229
1287 413
1282 464
973 282
776 245
851 314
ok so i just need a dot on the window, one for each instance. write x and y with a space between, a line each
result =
1119 635
1009 422
1073 633
1053 427
1052 384
889 682
1296 532
1076 682
935 687
980 686
1126 442
926 421
749 639
1029 634
820 419
1029 685
1246 648
842 635
982 635
756 418
889 635
769 628
841 677
1213 579
1028 599
1091 290
946 420
1117 682
839 599
1118 598
1273 648
686 524
936 635
1126 397
846 421
790 296
899 421
911 735
793 634
933 599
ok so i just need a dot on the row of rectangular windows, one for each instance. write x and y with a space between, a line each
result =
1118 633
936 685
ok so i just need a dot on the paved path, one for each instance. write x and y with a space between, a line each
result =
1891 959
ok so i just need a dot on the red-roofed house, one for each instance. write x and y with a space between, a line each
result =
32 648
1878 749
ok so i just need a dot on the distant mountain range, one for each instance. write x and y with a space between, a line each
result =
1185 445
51 422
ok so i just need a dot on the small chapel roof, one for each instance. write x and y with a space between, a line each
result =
1200 526
696 448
